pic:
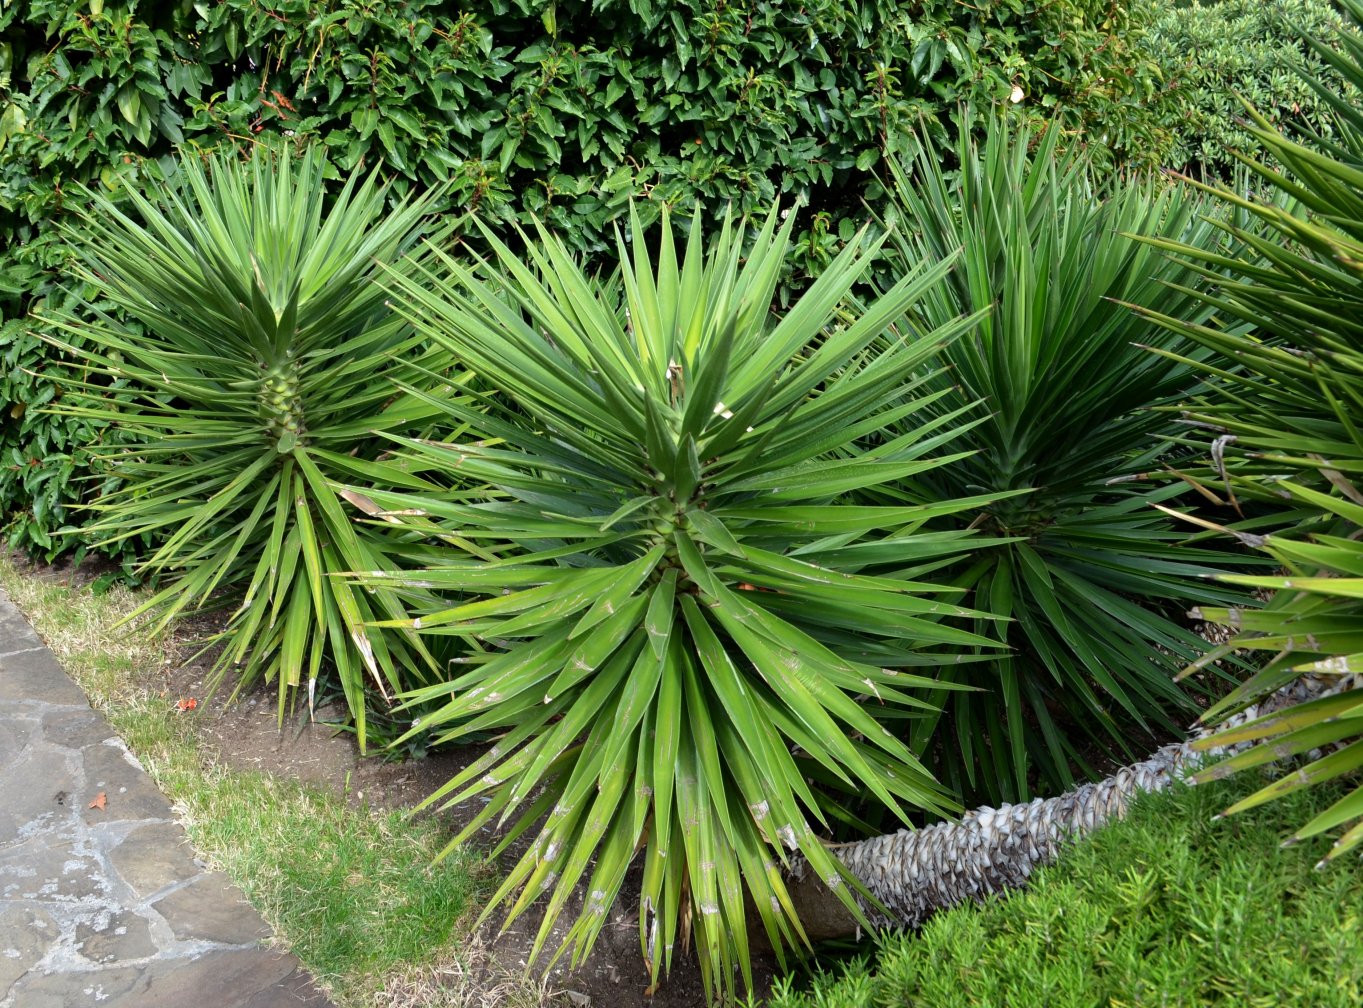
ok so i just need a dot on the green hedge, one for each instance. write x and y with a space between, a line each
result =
566 111
1249 48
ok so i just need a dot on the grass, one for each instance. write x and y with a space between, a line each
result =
353 894
1167 908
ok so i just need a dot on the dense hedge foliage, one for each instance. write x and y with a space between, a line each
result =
1245 48
566 111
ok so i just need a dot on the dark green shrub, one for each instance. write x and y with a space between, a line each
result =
1096 578
265 367
47 463
677 651
565 112
1250 48
1165 908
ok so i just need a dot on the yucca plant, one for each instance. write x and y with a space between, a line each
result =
681 660
1288 398
265 371
1094 576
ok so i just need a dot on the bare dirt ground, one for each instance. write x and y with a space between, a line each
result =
245 735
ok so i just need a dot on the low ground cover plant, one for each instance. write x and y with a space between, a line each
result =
1169 906
1217 54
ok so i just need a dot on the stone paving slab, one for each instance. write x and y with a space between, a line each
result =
111 907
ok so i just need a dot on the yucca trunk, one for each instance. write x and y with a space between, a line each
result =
915 873
281 406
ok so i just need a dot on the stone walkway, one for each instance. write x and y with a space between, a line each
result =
102 900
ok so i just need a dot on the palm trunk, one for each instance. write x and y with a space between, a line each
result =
913 873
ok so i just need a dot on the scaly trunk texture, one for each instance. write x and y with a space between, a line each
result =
914 873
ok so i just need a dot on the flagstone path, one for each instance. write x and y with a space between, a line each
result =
102 900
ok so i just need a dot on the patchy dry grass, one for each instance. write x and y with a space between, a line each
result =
473 979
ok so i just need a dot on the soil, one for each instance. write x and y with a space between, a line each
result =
245 735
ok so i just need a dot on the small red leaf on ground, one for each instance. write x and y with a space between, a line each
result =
186 703
99 801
